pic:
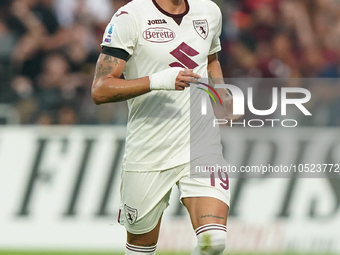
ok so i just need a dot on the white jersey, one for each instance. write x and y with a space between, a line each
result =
158 131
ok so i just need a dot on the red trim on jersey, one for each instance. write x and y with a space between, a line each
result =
176 17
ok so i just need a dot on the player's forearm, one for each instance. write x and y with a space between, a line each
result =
111 89
216 75
215 71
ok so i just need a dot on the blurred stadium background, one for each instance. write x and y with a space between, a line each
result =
60 154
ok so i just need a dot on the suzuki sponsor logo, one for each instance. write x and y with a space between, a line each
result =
159 35
184 53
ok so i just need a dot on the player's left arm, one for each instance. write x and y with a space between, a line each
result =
216 77
215 72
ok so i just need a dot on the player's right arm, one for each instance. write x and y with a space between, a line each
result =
120 39
108 87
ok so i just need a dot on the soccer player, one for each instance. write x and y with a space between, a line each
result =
161 46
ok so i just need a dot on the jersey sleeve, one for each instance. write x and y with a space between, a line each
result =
216 43
121 32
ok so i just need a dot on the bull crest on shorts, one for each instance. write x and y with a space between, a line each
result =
202 28
131 214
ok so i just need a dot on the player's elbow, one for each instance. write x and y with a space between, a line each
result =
97 97
96 100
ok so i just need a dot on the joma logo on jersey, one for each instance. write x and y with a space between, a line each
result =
159 35
157 22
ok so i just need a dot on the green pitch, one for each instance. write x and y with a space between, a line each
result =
160 253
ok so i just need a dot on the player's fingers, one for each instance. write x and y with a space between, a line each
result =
233 117
187 71
182 84
184 79
238 117
190 73
228 118
195 75
179 87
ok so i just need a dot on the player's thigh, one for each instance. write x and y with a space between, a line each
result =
148 239
206 195
206 210
144 197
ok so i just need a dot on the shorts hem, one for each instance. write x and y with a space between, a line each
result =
221 198
145 231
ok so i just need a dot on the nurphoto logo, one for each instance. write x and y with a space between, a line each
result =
239 105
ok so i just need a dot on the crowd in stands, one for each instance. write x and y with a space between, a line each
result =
49 48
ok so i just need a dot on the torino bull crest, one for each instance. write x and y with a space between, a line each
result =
202 28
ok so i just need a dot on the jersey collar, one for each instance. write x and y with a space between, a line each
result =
176 17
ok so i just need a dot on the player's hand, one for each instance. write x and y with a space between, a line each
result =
173 78
186 77
227 102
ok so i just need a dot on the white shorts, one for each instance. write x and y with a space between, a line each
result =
145 195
